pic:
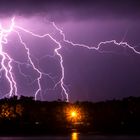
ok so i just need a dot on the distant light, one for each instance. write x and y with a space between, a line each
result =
73 114
36 123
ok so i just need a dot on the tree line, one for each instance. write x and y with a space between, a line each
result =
25 115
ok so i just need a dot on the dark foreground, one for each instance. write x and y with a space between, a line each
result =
75 136
25 116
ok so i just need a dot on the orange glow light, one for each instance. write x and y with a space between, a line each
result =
73 114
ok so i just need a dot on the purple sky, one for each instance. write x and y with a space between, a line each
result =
90 75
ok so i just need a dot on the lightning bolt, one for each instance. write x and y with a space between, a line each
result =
8 68
5 57
98 48
61 82
6 61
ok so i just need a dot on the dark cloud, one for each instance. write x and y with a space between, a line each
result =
75 9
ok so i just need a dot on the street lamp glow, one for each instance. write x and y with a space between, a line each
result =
73 114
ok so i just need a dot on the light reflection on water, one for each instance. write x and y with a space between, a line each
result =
74 136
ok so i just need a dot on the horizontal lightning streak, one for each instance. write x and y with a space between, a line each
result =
123 44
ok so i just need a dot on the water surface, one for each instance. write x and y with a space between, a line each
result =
74 136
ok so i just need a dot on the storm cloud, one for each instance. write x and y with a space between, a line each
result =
72 9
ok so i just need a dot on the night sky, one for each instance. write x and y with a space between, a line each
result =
89 74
